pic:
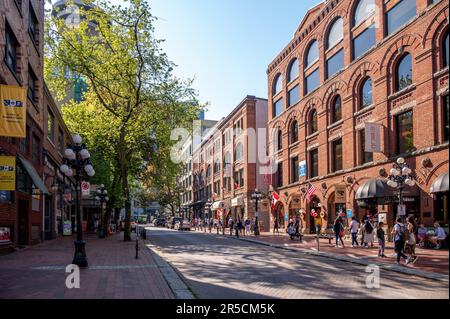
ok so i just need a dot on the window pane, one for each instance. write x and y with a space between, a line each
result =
312 81
363 10
399 15
446 116
336 33
313 163
294 169
337 155
313 54
278 85
279 175
294 132
337 110
278 107
294 70
294 95
335 63
51 127
279 140
404 73
364 41
445 50
313 122
366 94
404 125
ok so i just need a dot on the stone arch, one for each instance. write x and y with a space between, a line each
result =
410 42
331 19
313 102
338 87
361 71
308 42
433 173
435 27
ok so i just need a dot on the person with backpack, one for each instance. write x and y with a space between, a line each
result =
400 233
338 228
381 240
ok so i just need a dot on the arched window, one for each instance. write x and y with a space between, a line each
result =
403 72
312 54
227 158
294 132
277 85
336 109
239 152
216 166
208 172
279 140
365 94
363 10
293 70
336 33
202 179
445 50
312 121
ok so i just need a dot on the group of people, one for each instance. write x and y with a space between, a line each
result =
240 228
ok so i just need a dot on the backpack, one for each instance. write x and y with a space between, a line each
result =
403 233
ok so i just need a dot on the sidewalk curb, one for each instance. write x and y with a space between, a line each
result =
394 268
174 280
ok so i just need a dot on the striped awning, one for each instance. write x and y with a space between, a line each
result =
440 185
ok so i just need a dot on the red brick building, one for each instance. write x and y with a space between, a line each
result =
353 62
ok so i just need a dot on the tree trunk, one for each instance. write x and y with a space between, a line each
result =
125 186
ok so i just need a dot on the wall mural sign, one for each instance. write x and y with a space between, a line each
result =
13 111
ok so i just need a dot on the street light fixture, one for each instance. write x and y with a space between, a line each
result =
208 205
102 197
400 175
257 195
77 164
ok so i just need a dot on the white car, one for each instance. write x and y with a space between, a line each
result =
183 224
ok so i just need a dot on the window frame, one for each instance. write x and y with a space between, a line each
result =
386 18
313 166
294 169
361 93
312 119
32 90
334 159
306 62
293 132
33 25
333 114
292 64
332 25
363 155
399 142
11 42
400 60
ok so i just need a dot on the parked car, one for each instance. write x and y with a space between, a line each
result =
159 222
183 224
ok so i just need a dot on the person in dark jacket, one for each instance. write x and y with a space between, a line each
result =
338 228
381 240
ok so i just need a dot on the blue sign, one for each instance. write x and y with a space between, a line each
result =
302 168
349 213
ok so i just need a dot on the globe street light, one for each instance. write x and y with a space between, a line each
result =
102 197
77 163
399 176
257 195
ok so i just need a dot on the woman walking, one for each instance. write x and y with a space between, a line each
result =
354 226
411 243
338 228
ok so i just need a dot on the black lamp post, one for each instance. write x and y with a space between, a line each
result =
208 205
257 195
102 197
399 176
77 163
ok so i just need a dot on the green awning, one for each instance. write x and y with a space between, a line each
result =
37 181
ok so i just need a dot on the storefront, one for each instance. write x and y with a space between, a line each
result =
440 192
238 207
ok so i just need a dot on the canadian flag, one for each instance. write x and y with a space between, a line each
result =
275 199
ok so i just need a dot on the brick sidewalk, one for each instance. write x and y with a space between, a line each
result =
430 260
38 272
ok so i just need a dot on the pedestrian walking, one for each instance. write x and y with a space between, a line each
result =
363 221
231 224
400 236
240 227
338 228
354 227
411 242
236 227
275 226
247 226
381 240
368 234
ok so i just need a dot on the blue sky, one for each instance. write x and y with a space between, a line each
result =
226 45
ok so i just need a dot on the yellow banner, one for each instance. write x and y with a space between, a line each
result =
7 173
13 111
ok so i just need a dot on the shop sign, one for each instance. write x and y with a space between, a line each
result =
67 228
286 217
349 213
5 234
7 173
401 210
13 111
339 194
373 137
302 168
382 218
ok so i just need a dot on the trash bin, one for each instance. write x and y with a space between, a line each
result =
101 232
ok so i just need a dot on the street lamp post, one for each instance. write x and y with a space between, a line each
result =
208 205
102 197
399 176
256 196
77 163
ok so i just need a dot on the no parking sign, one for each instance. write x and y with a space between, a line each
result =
85 188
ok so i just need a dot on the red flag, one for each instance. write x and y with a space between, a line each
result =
275 199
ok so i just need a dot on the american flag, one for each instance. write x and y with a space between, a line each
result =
310 192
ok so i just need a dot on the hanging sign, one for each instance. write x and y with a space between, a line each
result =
7 173
302 168
13 111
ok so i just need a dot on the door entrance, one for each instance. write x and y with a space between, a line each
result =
23 222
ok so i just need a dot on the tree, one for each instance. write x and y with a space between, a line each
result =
114 49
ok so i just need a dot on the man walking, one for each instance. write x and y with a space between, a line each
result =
354 226
400 235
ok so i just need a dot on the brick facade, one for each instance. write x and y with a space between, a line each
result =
421 37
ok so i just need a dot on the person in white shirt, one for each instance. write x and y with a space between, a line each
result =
354 226
439 235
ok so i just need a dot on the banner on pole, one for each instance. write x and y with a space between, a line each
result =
7 173
373 137
13 111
